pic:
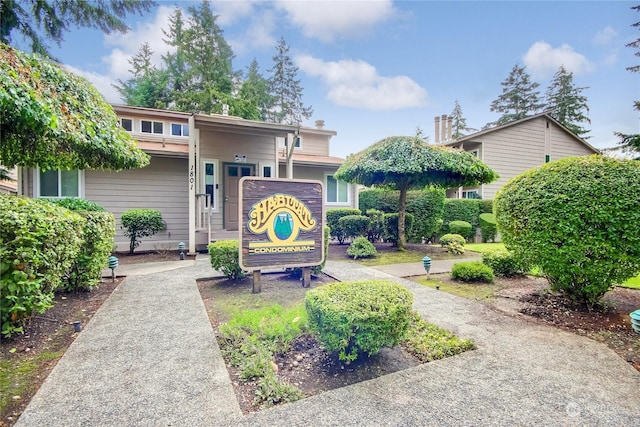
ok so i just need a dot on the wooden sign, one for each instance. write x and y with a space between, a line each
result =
281 223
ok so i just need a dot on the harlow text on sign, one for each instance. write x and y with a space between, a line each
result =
281 223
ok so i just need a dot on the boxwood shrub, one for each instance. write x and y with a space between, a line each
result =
460 210
333 221
354 318
140 223
488 227
472 271
376 225
361 247
354 225
578 219
463 228
224 258
447 239
504 263
391 226
38 243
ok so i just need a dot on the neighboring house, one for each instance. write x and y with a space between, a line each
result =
197 161
9 186
513 148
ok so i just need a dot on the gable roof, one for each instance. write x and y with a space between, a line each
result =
545 114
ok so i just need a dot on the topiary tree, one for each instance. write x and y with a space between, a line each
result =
578 219
488 226
140 223
406 162
463 228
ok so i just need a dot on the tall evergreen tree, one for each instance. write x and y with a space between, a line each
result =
519 97
148 86
288 107
49 19
459 122
630 143
256 101
566 102
175 61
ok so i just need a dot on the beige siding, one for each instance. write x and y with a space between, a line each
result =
564 145
162 185
317 145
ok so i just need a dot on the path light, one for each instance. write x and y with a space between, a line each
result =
426 262
635 320
113 264
77 326
181 247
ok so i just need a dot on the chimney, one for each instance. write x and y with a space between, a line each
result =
443 135
437 124
225 110
449 126
319 124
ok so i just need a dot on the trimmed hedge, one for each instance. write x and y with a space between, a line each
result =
473 271
462 228
376 225
224 258
140 223
578 219
38 243
391 226
353 318
361 247
488 226
504 263
354 225
333 221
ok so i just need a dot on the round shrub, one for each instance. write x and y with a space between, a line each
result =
578 219
354 225
462 228
140 223
455 248
361 247
38 243
504 263
353 318
488 227
333 221
223 255
473 271
447 239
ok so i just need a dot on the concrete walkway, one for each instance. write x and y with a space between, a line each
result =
149 358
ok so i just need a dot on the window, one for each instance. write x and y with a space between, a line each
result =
267 170
210 181
471 194
474 152
127 124
337 191
179 129
59 183
152 127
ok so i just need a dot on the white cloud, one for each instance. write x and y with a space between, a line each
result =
542 60
330 20
357 84
259 34
230 12
605 36
103 83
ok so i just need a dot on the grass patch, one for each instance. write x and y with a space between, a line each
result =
633 283
409 255
484 247
476 291
430 342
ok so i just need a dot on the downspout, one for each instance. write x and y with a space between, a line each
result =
191 182
291 145
276 172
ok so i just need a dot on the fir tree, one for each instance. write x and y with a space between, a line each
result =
254 94
566 102
148 86
288 107
175 61
519 97
459 122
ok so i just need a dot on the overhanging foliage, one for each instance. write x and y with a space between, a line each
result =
54 119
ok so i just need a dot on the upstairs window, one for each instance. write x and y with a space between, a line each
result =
148 126
127 124
179 129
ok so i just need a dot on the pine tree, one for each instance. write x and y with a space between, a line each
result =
630 143
256 101
175 62
288 107
48 19
566 102
519 97
148 86
458 122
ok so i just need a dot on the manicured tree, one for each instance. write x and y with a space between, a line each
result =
407 162
53 119
566 102
140 223
578 219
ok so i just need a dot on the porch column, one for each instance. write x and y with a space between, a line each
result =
290 145
276 172
191 181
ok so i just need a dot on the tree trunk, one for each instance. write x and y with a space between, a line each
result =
402 205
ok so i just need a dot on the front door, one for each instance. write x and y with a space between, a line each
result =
232 175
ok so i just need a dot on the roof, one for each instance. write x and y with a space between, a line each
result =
545 114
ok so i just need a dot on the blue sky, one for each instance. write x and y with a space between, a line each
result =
372 69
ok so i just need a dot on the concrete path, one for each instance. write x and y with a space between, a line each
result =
149 358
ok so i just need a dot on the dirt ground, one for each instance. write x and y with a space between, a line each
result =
314 371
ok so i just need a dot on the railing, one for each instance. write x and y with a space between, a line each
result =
203 213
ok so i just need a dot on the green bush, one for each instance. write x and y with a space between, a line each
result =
504 263
578 219
97 235
376 225
354 225
333 221
455 248
473 271
463 228
140 223
38 243
460 210
485 206
447 239
361 247
380 199
224 258
353 318
316 269
488 226
391 226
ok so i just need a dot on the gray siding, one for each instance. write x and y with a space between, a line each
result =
162 185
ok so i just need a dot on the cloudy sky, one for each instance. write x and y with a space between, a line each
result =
372 69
